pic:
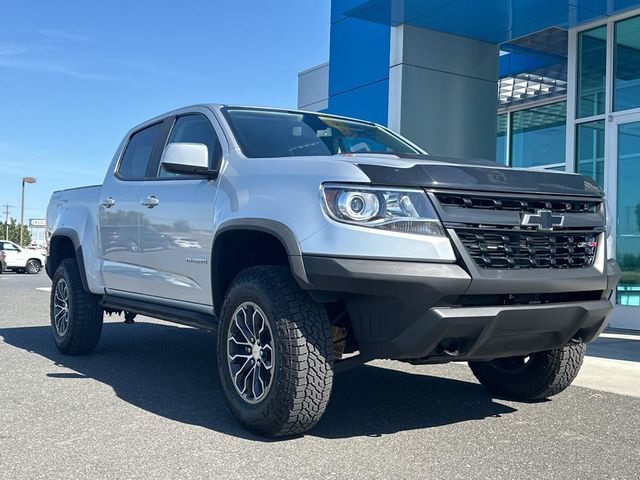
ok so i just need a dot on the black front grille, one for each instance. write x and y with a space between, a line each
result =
528 205
512 249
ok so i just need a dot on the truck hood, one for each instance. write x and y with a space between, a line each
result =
431 171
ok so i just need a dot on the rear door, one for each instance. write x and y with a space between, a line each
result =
176 224
119 216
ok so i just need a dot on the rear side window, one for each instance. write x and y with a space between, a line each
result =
8 247
194 129
138 153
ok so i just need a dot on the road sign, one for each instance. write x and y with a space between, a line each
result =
37 223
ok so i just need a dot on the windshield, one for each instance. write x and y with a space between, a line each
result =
276 133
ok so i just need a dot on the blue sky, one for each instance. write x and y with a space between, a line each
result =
75 75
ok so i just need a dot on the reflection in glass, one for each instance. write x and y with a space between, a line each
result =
592 66
538 135
590 150
628 213
501 139
626 93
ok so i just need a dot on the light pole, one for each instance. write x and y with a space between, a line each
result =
24 180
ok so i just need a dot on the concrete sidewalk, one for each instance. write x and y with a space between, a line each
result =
612 365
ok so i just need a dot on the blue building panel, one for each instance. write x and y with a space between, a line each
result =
359 54
519 60
368 102
494 21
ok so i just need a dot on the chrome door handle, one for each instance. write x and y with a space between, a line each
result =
150 202
108 202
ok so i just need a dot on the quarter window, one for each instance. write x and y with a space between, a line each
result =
9 247
138 153
195 129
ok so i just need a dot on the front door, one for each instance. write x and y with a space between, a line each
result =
624 201
176 223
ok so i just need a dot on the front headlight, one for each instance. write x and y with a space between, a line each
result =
398 210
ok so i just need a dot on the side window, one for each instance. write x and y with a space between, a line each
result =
138 153
194 129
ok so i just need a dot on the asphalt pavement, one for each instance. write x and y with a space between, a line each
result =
147 404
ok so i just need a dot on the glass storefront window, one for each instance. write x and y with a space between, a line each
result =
590 150
628 213
538 135
592 67
626 80
502 139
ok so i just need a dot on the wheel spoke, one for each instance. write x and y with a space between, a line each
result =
245 334
236 356
269 364
235 378
254 382
241 344
257 331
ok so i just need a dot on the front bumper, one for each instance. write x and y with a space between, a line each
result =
411 310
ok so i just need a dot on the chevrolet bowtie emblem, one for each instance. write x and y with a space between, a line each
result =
543 219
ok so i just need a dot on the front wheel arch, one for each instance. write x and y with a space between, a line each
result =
263 242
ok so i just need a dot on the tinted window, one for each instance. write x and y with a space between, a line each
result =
276 133
195 129
136 157
538 135
627 60
592 66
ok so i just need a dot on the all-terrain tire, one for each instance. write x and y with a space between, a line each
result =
302 375
544 374
84 325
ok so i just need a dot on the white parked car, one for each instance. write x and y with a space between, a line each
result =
21 259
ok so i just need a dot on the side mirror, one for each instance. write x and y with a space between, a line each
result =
189 158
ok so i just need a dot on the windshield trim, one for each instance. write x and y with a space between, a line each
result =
243 148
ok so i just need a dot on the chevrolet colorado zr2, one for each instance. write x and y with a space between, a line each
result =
318 242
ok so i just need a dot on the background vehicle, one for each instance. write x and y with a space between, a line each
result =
325 242
20 259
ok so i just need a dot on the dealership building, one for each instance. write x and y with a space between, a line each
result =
545 84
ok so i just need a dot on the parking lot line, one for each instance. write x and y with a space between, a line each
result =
44 289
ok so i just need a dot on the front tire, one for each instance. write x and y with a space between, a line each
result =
534 377
275 354
76 315
33 267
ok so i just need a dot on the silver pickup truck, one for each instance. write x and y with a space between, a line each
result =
313 243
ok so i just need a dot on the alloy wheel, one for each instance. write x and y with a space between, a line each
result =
61 308
250 352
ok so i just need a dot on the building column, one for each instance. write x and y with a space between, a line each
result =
443 92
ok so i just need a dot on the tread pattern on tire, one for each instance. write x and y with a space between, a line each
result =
550 373
304 376
85 325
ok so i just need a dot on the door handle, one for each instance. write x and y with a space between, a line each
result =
108 202
150 202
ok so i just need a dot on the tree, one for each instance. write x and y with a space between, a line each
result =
14 232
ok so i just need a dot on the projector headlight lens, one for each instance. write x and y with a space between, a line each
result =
399 210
